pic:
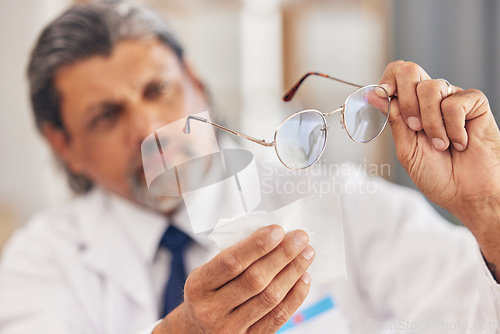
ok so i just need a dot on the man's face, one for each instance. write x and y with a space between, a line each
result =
110 104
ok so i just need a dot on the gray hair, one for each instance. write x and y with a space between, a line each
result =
83 31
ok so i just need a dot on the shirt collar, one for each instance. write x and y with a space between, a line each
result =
145 227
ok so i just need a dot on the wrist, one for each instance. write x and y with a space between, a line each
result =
177 321
170 324
481 217
483 220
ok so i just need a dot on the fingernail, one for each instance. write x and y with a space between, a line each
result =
458 147
306 278
308 253
438 144
277 233
414 123
300 238
381 93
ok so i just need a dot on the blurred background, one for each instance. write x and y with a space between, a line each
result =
249 52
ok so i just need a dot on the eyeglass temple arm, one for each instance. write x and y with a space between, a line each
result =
262 142
291 92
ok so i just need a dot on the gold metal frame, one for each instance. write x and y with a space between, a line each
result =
342 109
323 115
325 129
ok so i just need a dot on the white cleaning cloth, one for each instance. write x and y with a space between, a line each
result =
320 217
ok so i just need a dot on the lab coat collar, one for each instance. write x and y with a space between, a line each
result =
146 227
118 222
108 252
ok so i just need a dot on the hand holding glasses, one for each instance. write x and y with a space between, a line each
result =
301 138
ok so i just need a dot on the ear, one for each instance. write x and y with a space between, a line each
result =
61 144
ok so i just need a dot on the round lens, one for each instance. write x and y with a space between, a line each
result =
366 113
300 140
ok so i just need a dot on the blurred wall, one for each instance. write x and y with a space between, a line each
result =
249 52
28 180
454 39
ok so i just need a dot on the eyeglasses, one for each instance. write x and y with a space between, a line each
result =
300 139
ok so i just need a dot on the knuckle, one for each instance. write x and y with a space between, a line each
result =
452 109
260 246
299 264
411 66
427 87
255 278
396 63
270 297
280 315
408 107
474 91
432 128
230 263
289 253
191 287
480 96
194 288
408 67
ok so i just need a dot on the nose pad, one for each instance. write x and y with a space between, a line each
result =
342 120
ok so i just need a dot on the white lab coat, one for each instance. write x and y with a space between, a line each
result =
74 271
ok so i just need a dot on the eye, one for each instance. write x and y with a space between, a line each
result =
107 117
156 89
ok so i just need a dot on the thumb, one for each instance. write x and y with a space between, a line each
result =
403 136
401 132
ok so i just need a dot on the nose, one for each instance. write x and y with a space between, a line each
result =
144 119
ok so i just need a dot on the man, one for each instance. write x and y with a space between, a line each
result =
105 76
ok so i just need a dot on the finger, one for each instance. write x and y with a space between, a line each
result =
402 78
454 116
258 306
279 315
462 107
379 98
232 261
388 80
430 95
258 276
454 120
404 137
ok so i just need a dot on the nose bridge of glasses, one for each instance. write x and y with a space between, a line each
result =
341 109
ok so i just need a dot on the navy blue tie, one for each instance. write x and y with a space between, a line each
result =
175 241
